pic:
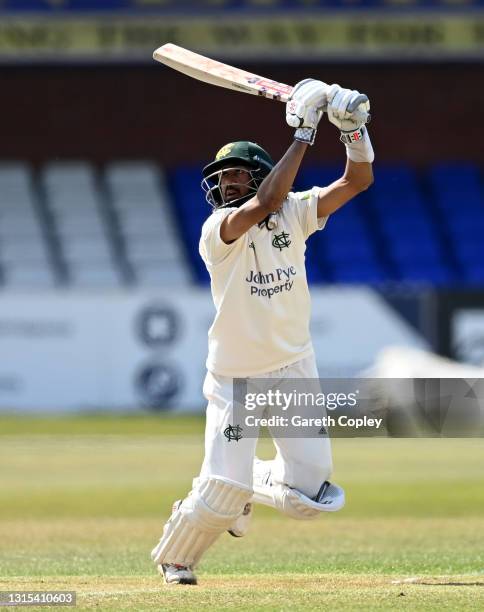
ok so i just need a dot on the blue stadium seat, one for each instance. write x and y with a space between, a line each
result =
463 202
457 189
471 248
412 251
474 274
408 228
470 251
433 274
457 175
393 179
466 227
351 249
185 182
346 251
357 273
317 175
314 271
347 221
191 211
401 204
342 232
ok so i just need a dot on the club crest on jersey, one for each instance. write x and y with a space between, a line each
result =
233 432
224 151
281 241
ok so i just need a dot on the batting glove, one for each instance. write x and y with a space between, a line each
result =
348 110
305 107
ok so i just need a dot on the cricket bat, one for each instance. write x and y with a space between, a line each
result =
214 72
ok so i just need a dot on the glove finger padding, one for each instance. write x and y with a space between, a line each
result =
297 88
313 94
303 116
352 122
344 99
310 92
332 91
295 111
347 109
312 116
305 108
306 95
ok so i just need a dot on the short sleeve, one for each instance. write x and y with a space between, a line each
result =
305 207
212 248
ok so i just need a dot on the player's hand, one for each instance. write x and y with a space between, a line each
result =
347 109
306 103
305 108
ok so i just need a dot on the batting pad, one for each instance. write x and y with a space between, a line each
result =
209 510
297 505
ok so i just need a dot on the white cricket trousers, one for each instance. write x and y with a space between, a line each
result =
300 463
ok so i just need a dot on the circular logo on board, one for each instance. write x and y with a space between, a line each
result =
158 325
158 384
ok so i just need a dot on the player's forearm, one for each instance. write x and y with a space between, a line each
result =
278 183
270 195
358 175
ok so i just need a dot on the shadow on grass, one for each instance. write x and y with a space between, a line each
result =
437 582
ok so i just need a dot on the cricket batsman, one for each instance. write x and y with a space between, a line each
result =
253 245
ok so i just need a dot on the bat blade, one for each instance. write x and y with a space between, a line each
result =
216 73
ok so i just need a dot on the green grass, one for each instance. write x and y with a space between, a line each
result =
83 500
98 423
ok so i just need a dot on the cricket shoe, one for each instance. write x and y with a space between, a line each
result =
241 524
174 573
177 574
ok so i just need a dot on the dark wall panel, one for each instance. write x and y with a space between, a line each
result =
420 112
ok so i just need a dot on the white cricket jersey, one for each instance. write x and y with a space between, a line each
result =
260 290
